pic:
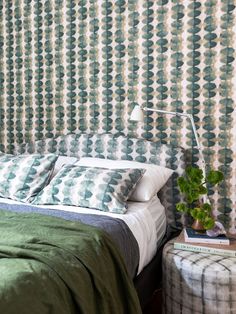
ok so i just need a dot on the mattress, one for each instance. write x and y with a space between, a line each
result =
146 220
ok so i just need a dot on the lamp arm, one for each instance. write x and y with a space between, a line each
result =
202 160
190 117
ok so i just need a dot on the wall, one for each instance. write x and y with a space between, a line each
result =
70 66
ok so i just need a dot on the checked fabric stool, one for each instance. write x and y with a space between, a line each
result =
198 283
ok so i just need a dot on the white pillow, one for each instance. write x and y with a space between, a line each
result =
62 161
152 181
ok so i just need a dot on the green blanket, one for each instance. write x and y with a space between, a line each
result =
50 265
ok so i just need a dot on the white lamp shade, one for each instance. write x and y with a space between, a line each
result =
137 114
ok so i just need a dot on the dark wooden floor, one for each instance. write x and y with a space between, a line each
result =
155 304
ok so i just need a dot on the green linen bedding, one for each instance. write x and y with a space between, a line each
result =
51 265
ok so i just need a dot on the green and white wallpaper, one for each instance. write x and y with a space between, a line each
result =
81 65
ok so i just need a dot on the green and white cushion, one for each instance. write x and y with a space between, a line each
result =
23 176
115 147
99 188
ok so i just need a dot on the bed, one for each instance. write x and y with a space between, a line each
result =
127 245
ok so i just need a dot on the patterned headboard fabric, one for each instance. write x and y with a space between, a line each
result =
117 147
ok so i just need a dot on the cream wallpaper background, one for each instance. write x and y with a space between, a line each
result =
81 66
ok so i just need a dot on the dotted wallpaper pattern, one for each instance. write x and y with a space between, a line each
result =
82 65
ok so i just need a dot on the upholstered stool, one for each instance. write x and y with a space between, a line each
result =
198 283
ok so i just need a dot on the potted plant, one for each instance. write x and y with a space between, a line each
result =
193 185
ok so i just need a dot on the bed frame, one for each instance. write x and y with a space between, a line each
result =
116 146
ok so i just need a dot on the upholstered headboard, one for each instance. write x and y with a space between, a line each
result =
117 147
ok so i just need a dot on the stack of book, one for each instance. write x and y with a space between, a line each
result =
191 240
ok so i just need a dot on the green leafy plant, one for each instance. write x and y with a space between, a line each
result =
193 186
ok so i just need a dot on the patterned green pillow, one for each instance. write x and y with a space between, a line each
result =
98 188
23 176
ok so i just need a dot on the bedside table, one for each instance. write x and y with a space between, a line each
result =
198 283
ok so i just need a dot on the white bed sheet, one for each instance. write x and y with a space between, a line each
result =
146 220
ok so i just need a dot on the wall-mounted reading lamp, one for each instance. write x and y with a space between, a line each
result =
138 115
